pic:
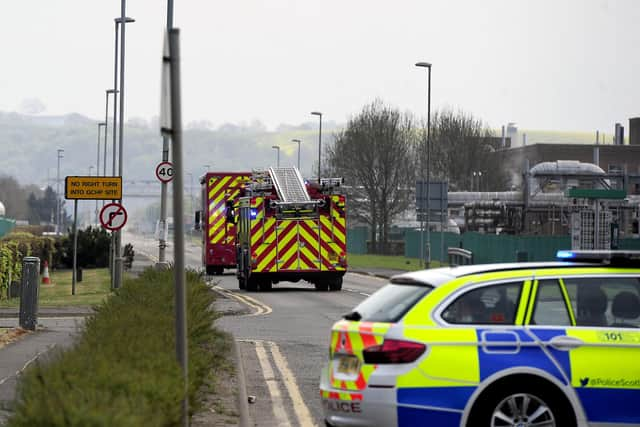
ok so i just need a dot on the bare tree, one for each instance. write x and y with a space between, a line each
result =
461 145
374 155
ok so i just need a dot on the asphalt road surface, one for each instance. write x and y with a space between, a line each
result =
283 336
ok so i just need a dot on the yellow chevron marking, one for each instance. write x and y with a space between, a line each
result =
219 185
267 259
218 236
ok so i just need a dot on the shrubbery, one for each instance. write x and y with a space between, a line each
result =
16 246
93 249
123 369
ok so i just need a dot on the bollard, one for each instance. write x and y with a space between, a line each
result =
29 287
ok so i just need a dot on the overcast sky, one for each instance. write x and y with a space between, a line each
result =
545 64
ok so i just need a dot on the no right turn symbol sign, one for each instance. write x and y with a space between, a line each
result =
113 216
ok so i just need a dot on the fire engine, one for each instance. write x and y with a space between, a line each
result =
290 230
219 190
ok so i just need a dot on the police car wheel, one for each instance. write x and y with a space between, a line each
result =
522 406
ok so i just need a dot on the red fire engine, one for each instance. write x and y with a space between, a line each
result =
290 230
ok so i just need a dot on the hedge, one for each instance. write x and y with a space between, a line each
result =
123 370
16 246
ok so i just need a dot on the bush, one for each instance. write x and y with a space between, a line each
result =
123 369
16 246
93 249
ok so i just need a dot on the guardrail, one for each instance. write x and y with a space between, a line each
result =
459 256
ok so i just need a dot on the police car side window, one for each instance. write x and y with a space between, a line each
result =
550 307
493 304
605 301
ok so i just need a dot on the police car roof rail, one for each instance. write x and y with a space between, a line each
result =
611 257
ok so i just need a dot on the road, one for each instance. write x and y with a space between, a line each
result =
283 336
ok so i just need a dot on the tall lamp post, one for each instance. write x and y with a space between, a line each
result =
123 20
298 141
60 156
319 114
100 125
107 92
427 261
277 148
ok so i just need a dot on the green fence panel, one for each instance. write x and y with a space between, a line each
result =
357 240
6 225
413 239
629 244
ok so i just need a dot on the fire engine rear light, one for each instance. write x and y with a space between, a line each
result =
393 351
254 263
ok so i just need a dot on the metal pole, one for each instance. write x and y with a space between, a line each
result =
118 239
428 262
112 249
178 237
106 131
162 239
319 148
75 247
298 141
58 196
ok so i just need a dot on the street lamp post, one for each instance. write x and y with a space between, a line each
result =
60 156
277 148
100 125
298 141
427 261
123 20
319 114
108 92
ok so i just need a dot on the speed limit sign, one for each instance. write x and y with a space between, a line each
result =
164 171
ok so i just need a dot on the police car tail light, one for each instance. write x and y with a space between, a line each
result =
393 351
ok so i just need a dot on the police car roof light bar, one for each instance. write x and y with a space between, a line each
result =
600 256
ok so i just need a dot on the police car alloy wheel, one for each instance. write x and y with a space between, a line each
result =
522 410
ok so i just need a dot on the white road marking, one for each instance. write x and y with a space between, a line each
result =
301 410
276 399
366 295
259 307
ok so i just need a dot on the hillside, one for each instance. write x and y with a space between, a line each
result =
30 144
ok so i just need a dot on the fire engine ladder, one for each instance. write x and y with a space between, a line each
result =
289 185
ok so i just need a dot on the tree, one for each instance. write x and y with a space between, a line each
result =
374 156
461 145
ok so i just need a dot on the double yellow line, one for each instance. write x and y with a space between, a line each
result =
259 308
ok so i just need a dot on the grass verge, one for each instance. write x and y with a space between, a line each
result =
123 370
93 290
392 262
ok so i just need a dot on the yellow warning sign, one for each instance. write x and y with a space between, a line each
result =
93 187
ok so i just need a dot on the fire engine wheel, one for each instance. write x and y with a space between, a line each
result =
252 284
218 271
265 285
336 284
322 286
242 283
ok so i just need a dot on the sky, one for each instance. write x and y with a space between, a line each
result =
543 64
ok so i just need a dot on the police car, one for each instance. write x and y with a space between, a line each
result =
553 344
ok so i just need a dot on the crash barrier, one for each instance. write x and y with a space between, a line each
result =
29 286
459 256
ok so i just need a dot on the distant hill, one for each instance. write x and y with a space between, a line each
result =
29 145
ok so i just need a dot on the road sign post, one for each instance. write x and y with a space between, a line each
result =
89 188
